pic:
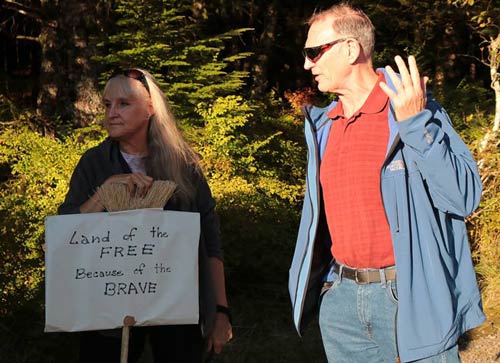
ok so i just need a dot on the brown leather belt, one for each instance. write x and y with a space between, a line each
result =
366 275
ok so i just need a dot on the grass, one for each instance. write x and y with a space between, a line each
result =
264 331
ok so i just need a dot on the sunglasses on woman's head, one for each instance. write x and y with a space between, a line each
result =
135 74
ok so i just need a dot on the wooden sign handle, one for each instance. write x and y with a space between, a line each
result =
128 321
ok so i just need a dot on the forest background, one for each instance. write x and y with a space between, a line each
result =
233 72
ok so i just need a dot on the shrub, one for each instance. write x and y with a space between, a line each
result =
36 170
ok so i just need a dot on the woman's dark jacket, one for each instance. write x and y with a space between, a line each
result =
99 163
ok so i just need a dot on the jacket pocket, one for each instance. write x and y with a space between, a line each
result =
390 200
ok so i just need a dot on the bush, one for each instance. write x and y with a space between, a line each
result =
37 171
35 174
256 176
485 232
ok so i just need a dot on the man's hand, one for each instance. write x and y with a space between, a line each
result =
410 95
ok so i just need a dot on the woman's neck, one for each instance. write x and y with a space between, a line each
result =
134 149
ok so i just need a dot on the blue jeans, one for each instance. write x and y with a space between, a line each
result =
357 324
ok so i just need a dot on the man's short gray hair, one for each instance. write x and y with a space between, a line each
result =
349 21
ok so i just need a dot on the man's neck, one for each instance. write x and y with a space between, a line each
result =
358 87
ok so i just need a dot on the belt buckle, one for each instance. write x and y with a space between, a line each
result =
356 279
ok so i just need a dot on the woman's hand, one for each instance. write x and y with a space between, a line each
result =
222 333
137 184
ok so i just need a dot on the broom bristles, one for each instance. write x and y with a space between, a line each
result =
116 197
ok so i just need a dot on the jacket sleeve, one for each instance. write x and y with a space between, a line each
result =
80 189
210 225
90 172
443 159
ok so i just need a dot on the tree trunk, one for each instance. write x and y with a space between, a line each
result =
494 63
494 49
69 94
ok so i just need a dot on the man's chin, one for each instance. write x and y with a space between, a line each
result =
323 88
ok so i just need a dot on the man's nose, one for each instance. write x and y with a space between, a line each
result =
308 64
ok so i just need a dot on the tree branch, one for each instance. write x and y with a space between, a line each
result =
23 9
475 58
25 37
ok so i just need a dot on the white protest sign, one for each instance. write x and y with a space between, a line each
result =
101 267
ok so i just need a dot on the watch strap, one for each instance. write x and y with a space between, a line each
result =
226 311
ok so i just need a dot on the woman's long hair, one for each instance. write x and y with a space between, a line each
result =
169 155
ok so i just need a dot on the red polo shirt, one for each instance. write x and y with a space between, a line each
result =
350 179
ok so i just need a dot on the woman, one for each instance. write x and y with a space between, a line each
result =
144 145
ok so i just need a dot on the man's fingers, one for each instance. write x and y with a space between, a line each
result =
409 92
403 71
414 73
389 92
423 84
396 81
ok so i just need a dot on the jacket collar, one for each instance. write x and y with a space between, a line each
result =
318 116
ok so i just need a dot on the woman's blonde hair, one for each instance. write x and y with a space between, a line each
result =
352 22
169 155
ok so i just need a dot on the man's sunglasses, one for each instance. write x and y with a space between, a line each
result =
314 53
135 74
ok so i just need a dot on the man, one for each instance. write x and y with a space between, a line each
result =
389 182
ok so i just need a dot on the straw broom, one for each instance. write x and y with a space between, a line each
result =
116 197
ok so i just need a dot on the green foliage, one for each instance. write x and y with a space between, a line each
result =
222 146
467 104
37 171
483 15
7 108
254 158
485 231
164 37
255 175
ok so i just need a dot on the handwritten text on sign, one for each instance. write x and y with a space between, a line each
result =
101 267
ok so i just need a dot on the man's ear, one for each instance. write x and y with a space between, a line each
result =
355 51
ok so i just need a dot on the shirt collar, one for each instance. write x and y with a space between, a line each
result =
376 101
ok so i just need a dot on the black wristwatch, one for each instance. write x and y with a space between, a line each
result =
225 310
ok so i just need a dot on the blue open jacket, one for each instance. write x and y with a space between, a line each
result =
429 184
